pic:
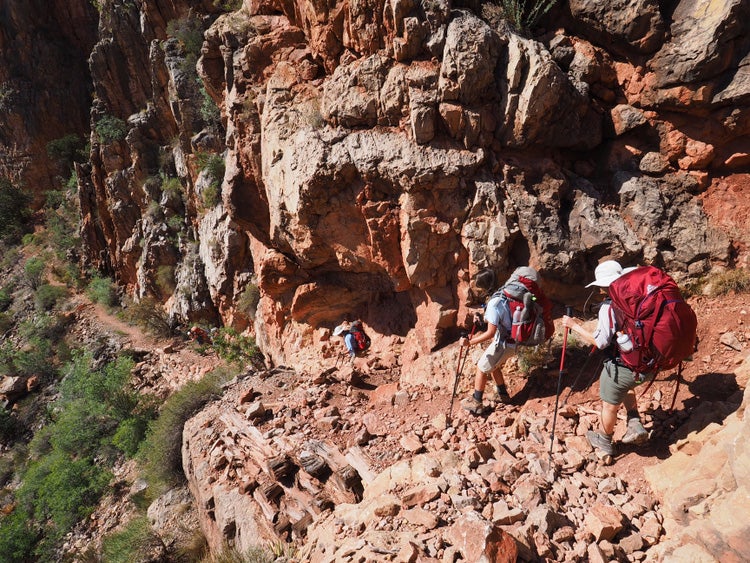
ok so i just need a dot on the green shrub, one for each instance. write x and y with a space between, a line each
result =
189 32
134 543
63 490
213 164
129 435
228 5
522 15
161 451
176 223
210 112
62 221
47 296
17 537
6 322
14 211
9 256
72 183
150 316
33 272
165 279
40 444
210 196
34 358
171 186
8 425
249 299
108 386
737 281
66 150
235 348
102 290
44 325
110 129
6 298
66 478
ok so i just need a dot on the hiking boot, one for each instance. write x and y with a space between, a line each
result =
473 406
636 433
600 442
502 398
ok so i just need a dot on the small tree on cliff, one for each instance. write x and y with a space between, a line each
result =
522 15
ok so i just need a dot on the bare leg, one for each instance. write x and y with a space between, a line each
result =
497 375
630 402
609 417
480 381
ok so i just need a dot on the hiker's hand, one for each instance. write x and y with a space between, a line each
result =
464 341
569 322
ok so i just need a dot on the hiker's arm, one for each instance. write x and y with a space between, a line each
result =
488 334
572 324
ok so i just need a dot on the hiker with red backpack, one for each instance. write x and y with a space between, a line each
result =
356 339
517 314
649 326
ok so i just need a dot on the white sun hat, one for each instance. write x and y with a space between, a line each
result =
605 273
341 329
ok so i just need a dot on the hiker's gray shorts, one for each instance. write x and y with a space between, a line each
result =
616 380
495 355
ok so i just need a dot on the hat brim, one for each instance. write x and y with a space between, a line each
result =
604 282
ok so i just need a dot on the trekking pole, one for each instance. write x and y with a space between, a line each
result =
569 313
459 371
580 373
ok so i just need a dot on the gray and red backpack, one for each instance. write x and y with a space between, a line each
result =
530 310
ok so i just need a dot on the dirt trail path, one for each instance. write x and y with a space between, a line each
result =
171 362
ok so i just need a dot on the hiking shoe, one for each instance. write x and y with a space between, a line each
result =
473 406
502 398
600 442
636 433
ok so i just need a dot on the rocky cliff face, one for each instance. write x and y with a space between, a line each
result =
376 157
364 160
45 85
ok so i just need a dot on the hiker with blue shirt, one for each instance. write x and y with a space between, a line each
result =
499 324
345 330
617 382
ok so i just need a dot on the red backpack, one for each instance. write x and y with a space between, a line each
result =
361 340
530 310
649 308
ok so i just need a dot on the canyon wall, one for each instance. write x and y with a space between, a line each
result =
45 86
365 160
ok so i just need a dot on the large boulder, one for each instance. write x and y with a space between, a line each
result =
706 496
623 25
707 38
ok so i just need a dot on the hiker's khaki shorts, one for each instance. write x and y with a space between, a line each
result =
616 380
495 355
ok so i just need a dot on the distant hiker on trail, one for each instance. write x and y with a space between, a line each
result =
518 313
199 335
355 337
646 304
